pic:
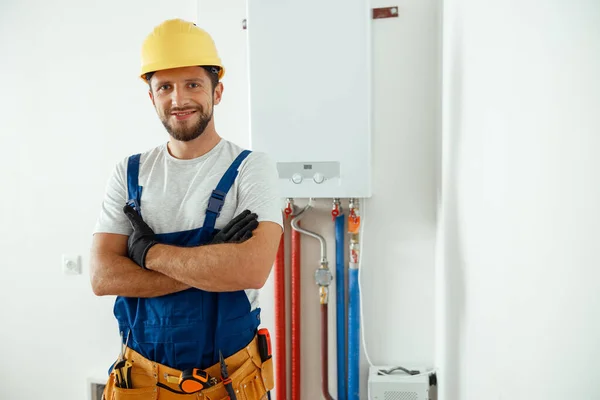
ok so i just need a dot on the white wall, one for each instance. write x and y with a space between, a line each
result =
73 107
520 213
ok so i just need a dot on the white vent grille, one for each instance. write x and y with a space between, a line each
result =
401 396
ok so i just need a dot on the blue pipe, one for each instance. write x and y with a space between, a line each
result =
353 335
340 287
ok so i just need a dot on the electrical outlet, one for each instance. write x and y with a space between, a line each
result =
71 264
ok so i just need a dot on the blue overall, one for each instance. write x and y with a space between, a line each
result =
188 328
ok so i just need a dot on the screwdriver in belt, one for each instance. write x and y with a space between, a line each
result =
226 380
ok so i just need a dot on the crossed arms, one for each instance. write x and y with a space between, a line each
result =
216 267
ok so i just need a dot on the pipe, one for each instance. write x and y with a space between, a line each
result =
280 322
353 304
340 287
320 238
323 278
324 354
296 332
353 335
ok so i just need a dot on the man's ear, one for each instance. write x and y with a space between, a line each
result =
218 93
151 96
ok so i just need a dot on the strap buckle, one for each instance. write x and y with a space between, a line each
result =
136 205
216 201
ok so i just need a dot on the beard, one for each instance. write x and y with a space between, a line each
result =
186 130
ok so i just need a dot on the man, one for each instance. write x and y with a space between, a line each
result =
187 234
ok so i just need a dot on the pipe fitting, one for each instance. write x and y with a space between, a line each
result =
324 295
323 276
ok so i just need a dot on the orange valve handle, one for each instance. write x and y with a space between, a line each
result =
194 380
353 222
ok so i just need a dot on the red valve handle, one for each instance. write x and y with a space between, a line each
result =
335 213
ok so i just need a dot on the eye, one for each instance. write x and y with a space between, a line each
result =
194 85
164 87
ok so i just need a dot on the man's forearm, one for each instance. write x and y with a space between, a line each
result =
118 275
220 267
216 268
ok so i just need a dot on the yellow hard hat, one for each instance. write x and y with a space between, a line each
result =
178 43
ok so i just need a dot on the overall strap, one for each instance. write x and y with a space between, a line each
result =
215 204
217 198
134 191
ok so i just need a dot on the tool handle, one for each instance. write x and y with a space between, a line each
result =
264 344
229 388
127 374
120 377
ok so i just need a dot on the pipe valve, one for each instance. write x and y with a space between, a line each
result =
354 216
335 211
289 207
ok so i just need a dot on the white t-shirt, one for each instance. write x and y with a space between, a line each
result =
175 192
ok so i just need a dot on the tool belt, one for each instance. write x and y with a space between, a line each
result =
252 379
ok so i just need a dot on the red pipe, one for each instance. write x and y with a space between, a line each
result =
295 315
324 354
280 339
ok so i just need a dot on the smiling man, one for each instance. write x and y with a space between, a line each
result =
187 122
186 236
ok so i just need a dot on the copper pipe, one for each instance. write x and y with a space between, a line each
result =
324 354
323 278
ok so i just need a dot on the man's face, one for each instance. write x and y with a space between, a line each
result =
184 99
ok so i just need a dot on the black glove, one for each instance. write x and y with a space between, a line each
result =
141 239
238 230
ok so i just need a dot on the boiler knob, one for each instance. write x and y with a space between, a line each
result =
318 178
297 178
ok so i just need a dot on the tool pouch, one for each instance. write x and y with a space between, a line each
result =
256 385
267 374
134 394
144 389
251 381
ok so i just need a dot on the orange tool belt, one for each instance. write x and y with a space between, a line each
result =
251 378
